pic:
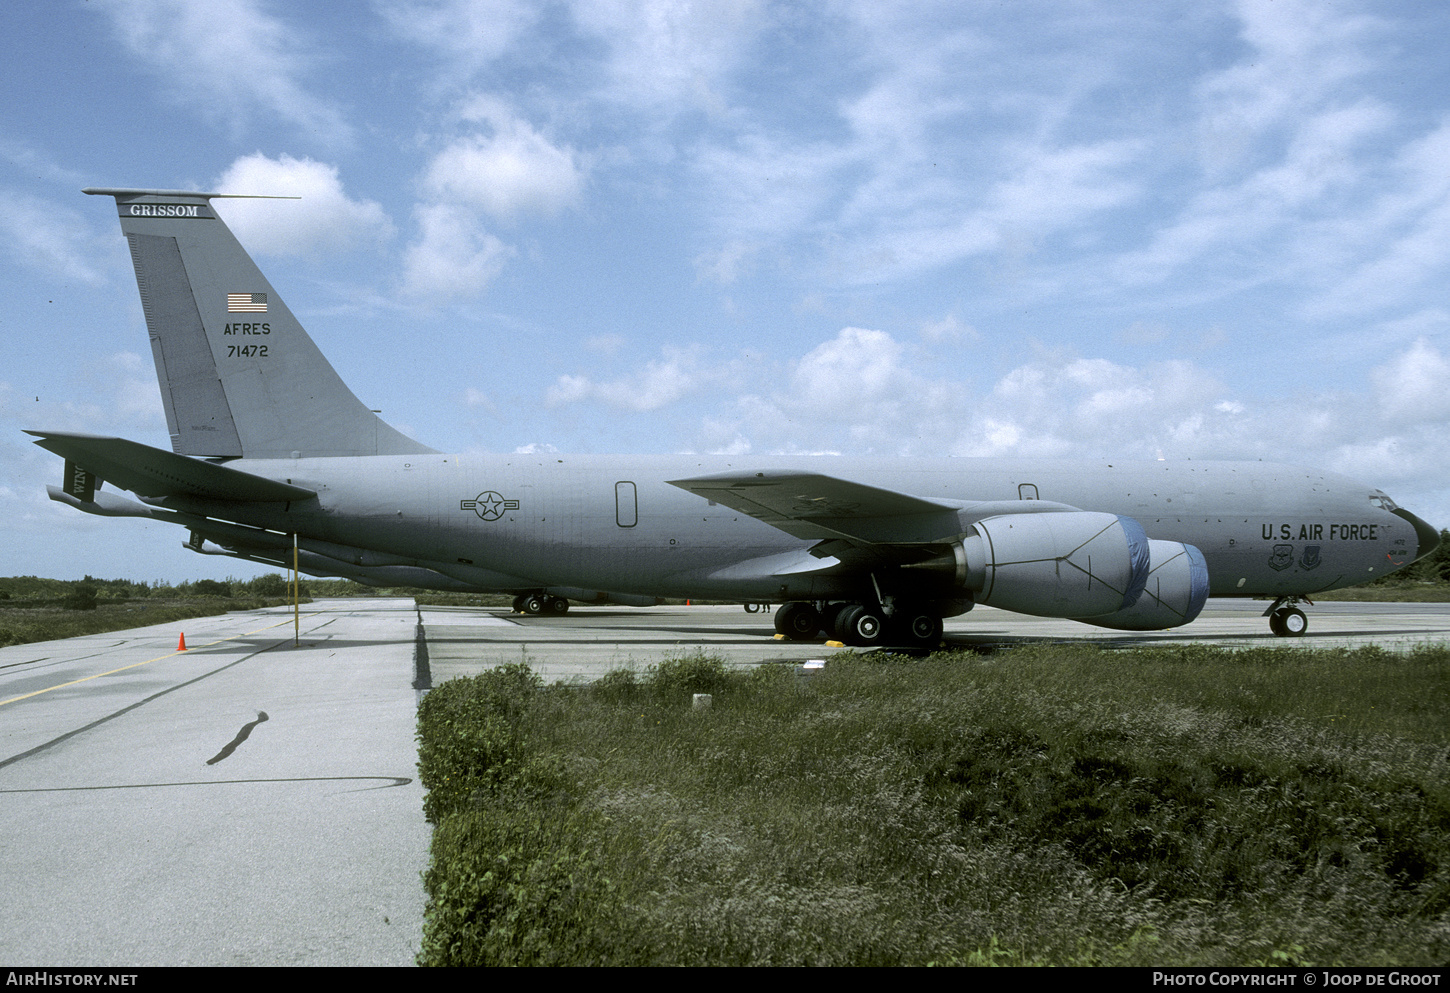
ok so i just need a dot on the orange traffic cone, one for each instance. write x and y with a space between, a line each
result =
181 643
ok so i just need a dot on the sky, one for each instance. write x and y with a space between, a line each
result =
1207 230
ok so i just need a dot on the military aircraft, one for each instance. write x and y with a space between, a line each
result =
270 447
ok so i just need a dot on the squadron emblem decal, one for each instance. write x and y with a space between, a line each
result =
488 505
1282 558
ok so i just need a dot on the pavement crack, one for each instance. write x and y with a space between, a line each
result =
241 737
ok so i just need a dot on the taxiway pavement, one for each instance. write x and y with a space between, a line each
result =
589 641
151 816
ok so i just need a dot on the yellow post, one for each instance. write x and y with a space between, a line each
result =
296 598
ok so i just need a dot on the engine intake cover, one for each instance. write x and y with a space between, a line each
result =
1176 592
1078 564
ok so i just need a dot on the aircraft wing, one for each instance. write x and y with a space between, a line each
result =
814 506
151 472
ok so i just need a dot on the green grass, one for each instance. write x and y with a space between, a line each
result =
1391 592
26 624
1050 805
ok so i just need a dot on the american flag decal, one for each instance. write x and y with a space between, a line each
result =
246 303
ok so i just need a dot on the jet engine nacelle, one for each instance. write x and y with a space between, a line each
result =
1175 594
1070 564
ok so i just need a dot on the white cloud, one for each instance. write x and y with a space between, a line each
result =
1322 161
469 33
1302 53
858 366
1059 405
949 330
131 382
477 398
509 172
857 392
670 53
1387 251
230 57
454 258
1414 386
659 384
48 239
512 170
325 219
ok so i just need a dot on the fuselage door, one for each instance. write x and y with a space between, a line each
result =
626 505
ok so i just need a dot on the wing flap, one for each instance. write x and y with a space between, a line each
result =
152 472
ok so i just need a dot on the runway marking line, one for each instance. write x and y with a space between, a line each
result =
159 658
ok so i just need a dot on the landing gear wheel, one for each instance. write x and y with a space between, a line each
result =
862 626
519 603
1288 622
797 621
557 605
924 629
831 620
533 604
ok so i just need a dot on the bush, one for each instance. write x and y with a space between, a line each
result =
82 596
469 736
690 674
272 584
616 685
506 889
210 587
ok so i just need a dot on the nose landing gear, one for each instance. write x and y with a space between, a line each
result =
1285 619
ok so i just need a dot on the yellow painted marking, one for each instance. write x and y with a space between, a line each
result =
133 665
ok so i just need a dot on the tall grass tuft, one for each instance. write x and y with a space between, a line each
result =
1048 805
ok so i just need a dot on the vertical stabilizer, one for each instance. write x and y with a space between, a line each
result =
239 376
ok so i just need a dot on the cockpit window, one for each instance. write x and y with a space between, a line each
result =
1381 501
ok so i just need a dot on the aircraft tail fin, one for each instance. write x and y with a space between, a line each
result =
240 378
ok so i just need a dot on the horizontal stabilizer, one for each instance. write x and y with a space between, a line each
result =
152 472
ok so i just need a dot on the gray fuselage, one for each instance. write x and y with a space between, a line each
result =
613 523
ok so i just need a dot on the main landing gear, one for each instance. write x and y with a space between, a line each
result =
1287 620
860 625
540 603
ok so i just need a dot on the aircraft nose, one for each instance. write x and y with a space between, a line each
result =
1428 537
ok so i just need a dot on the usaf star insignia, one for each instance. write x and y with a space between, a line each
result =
488 505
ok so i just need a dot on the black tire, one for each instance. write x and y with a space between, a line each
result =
831 620
923 629
752 608
797 621
862 626
558 606
533 604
